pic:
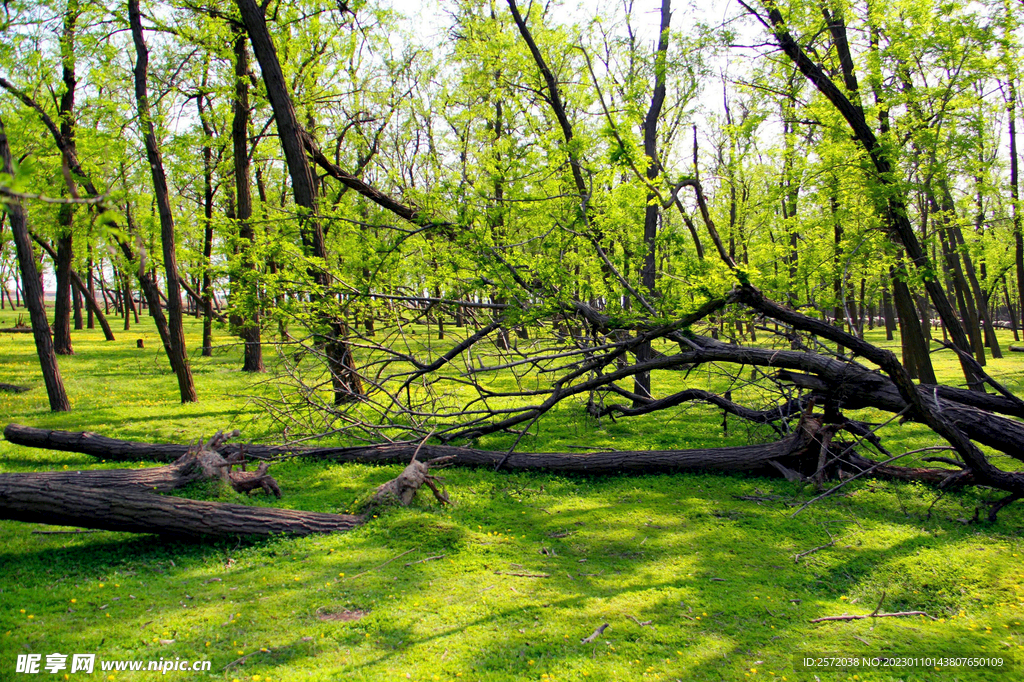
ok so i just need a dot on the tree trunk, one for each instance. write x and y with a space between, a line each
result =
249 329
177 352
76 300
888 314
91 289
129 300
1009 310
125 500
31 498
916 356
652 211
66 212
345 381
33 291
207 299
797 453
62 300
789 451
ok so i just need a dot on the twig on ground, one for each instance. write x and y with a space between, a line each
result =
524 575
383 564
846 617
801 555
429 558
597 633
63 532
879 607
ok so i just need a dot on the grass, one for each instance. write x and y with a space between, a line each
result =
694 583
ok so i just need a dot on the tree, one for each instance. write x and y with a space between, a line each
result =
175 341
32 290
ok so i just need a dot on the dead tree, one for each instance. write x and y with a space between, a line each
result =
127 500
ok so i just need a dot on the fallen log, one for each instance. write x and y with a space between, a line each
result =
126 500
796 453
13 388
35 499
749 458
197 464
115 450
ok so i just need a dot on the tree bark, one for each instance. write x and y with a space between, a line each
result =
345 380
916 355
177 352
249 330
62 299
66 212
1018 232
797 453
33 499
207 299
33 291
652 211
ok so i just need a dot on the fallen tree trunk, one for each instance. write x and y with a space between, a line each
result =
750 458
126 499
115 450
799 452
35 499
197 464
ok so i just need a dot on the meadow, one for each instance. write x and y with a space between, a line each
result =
695 575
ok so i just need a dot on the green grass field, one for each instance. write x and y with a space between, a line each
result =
694 583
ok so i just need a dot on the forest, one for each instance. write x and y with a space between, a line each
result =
760 257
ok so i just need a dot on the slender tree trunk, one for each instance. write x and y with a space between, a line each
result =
1009 310
345 380
178 354
249 330
860 308
888 313
1018 235
33 291
652 212
838 313
62 301
129 303
65 213
916 356
90 286
208 228
76 300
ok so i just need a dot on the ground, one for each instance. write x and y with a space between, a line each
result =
694 574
